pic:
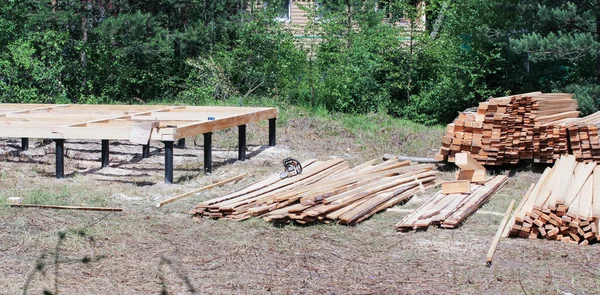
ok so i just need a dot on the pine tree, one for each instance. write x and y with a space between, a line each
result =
560 43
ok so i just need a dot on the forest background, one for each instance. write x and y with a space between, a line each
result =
205 52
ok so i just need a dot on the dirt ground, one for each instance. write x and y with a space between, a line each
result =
149 250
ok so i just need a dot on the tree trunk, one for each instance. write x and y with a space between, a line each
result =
84 37
410 63
597 37
349 7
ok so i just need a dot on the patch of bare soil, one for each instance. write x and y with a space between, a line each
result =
148 250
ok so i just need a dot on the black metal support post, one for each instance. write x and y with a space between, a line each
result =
272 131
242 142
146 151
60 158
181 143
208 152
104 153
24 144
168 161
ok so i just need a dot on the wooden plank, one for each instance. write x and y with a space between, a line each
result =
496 239
521 204
14 200
220 183
397 199
581 175
126 116
266 182
466 162
596 193
226 122
67 207
456 187
407 223
478 176
29 110
475 201
581 209
528 206
546 188
142 131
564 178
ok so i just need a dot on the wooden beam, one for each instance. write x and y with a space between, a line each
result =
466 162
126 116
517 210
496 240
478 176
43 107
142 131
220 183
68 207
456 187
227 122
596 193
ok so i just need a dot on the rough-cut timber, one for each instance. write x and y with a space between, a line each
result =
563 204
505 130
450 210
328 191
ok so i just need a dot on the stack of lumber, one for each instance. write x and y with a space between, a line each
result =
324 191
450 210
505 130
563 205
583 136
457 200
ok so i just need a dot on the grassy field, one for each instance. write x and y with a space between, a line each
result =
149 250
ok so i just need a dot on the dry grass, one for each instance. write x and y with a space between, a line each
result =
146 250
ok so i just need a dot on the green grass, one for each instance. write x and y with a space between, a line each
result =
46 197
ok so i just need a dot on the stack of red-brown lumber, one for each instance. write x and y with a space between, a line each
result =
563 205
583 136
324 191
458 199
505 130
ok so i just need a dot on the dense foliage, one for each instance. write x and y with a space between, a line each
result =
197 51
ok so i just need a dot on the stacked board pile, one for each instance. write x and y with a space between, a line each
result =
450 210
563 205
583 138
505 130
324 191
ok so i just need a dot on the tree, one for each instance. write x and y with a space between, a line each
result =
560 43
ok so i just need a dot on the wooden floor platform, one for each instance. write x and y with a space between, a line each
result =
137 123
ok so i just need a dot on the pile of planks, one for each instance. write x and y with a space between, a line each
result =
325 191
563 205
583 137
457 200
505 130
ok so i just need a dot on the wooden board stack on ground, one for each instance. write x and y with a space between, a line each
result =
449 210
325 191
563 205
583 136
505 130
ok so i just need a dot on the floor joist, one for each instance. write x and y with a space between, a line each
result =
117 122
